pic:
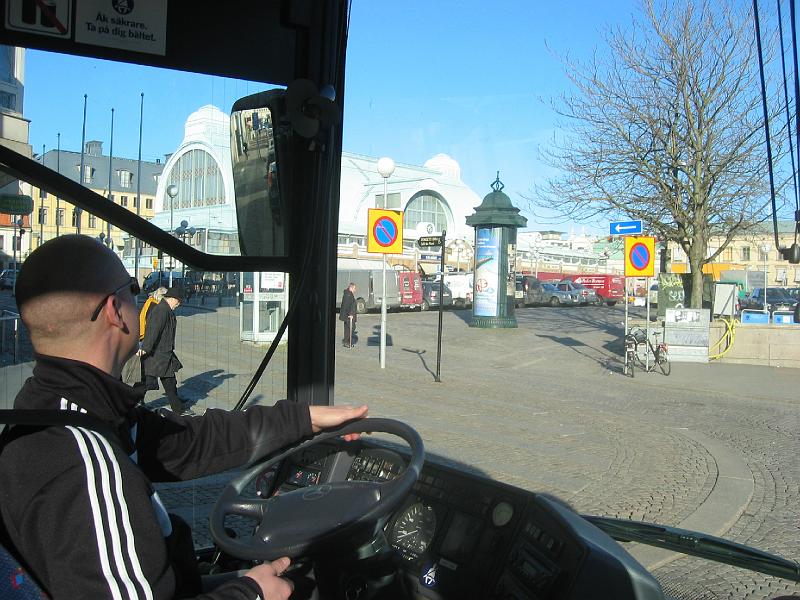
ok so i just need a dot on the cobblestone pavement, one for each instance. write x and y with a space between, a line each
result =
545 407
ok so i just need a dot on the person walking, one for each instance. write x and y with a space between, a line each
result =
158 349
153 298
347 314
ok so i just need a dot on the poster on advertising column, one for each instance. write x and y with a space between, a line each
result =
487 267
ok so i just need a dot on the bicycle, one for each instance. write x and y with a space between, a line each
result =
634 342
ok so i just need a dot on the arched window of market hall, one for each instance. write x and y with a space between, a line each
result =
427 207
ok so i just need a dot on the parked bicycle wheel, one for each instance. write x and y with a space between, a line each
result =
629 368
663 362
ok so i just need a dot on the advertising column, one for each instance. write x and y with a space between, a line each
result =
495 221
487 271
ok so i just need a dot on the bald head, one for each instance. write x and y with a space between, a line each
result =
60 283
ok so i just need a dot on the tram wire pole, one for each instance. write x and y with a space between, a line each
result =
137 245
82 176
110 170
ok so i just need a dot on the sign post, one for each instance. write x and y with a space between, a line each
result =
441 309
640 252
437 241
384 236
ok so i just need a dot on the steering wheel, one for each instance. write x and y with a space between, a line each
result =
312 519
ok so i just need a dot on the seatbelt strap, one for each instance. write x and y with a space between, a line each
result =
48 418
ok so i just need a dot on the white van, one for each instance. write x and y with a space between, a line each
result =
460 285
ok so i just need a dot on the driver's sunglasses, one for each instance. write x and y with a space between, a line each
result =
134 287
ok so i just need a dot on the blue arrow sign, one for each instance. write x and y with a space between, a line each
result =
625 227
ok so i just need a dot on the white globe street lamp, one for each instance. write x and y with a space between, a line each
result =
172 192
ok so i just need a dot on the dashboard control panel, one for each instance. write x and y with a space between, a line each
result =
462 535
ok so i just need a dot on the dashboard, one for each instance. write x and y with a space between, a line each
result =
461 535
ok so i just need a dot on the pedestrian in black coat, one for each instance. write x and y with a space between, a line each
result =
158 348
347 313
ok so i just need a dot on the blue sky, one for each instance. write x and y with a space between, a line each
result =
470 79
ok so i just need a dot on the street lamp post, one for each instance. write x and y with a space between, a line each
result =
184 232
17 241
385 168
172 192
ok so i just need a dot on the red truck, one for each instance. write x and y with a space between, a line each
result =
410 284
609 288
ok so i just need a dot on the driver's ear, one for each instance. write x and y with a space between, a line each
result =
111 311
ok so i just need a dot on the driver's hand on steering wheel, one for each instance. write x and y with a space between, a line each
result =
268 577
325 417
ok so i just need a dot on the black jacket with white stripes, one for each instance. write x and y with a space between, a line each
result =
80 511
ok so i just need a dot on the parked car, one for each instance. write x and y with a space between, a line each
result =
609 288
777 299
8 278
531 289
552 295
585 295
156 279
431 295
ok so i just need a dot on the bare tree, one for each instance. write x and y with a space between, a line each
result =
668 128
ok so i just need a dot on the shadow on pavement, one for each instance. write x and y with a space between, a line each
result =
193 389
465 314
375 338
201 384
607 362
420 353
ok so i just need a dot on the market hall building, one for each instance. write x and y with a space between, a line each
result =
432 197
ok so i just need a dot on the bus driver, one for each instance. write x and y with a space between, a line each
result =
78 508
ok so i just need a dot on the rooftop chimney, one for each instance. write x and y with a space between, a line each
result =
94 148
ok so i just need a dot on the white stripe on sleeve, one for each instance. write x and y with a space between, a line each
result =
107 505
97 515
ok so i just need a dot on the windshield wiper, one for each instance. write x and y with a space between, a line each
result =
697 544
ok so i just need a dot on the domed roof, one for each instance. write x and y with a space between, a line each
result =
207 122
444 164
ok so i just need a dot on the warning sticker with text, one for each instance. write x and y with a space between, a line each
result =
136 25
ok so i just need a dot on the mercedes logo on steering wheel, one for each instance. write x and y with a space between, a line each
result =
317 492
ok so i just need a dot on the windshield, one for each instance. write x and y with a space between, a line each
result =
573 129
777 293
